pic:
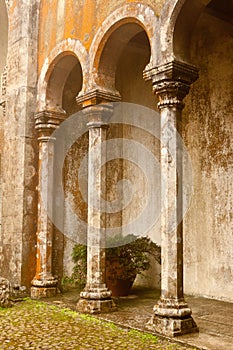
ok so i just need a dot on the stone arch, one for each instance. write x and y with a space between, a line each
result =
136 17
61 78
62 60
177 22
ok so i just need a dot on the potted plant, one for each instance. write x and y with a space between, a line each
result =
125 258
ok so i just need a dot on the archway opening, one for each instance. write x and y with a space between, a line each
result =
64 83
129 72
111 48
123 59
71 89
64 79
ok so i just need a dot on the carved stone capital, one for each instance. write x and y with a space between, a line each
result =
97 96
171 82
98 116
48 121
171 93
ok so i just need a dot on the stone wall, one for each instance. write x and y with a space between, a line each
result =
3 73
19 158
4 35
37 28
60 20
207 130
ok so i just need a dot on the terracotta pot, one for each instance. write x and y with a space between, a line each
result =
118 285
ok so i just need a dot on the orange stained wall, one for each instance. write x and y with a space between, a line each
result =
76 19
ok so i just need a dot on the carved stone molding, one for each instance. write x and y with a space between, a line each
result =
174 70
171 93
47 121
97 96
98 116
171 82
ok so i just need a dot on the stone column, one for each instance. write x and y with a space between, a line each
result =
44 283
171 83
96 297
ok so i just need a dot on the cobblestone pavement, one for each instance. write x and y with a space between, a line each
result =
38 325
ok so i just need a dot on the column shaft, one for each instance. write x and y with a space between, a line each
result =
96 297
44 283
171 83
43 275
96 213
171 194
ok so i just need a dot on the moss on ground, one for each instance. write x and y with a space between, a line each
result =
38 325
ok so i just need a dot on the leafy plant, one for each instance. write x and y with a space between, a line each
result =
131 253
79 257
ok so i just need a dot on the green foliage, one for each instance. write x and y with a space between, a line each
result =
79 257
132 253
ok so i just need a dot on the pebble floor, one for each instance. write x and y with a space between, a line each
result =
39 325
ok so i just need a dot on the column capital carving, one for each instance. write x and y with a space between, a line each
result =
171 82
47 121
98 115
97 96
170 93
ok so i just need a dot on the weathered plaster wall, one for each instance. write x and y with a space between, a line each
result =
19 159
4 35
133 89
80 20
3 59
208 131
73 231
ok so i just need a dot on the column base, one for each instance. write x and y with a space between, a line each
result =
46 288
88 306
95 300
43 292
96 293
172 327
172 319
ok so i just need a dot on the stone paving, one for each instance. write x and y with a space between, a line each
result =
54 325
214 318
39 325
